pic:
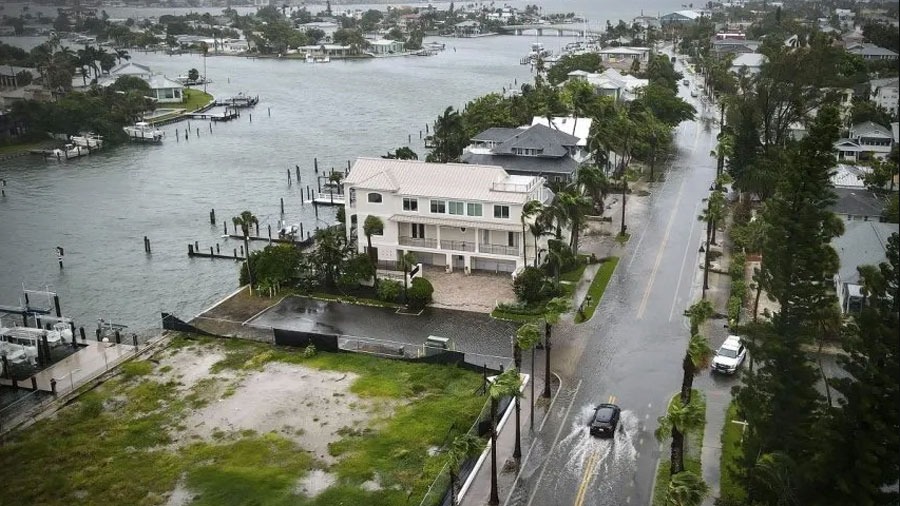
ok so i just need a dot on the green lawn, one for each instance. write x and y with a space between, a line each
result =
12 149
598 286
692 446
730 489
112 445
195 99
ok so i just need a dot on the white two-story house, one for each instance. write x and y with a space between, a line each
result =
461 217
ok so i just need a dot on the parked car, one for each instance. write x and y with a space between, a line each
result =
729 356
605 420
686 82
694 93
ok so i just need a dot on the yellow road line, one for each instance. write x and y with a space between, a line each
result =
586 480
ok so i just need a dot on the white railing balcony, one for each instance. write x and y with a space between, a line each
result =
418 242
498 249
458 245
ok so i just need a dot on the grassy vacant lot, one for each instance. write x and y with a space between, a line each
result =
598 286
129 440
692 445
730 489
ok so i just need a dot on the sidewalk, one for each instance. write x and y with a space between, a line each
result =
476 490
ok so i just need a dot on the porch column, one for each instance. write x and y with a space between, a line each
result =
468 263
477 240
449 259
437 245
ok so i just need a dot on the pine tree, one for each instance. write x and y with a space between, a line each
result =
779 399
861 460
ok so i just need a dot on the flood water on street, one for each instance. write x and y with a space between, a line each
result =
99 208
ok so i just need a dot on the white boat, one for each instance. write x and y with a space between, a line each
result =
60 334
68 151
144 132
90 141
324 59
310 58
20 344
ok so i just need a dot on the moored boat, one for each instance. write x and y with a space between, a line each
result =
144 132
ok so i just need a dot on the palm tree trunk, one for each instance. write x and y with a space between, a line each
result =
677 454
533 377
624 191
495 497
713 227
247 256
549 330
756 302
524 247
687 380
535 251
517 452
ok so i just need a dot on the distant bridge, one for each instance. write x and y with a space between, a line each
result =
559 30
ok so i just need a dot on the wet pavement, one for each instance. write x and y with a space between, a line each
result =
472 333
631 350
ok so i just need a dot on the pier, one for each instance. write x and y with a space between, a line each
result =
228 115
239 100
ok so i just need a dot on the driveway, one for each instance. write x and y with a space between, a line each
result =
478 292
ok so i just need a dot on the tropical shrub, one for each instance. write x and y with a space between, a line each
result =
529 285
389 290
419 293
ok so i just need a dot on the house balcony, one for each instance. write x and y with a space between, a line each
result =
498 249
418 242
458 245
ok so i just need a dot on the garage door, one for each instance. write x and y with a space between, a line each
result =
484 264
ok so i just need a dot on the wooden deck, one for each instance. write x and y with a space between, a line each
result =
93 358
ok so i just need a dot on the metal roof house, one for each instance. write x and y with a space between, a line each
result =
871 52
536 150
457 216
685 16
866 140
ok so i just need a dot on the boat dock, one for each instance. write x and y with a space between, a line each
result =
328 199
228 115
78 367
239 100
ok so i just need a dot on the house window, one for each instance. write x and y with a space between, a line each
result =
411 205
485 236
473 209
374 198
501 212
439 206
417 230
512 239
458 208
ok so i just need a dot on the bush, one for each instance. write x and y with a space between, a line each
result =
389 290
734 310
309 351
736 269
529 285
419 293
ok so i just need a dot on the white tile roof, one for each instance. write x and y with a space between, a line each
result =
567 124
445 180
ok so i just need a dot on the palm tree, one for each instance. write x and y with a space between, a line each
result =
461 449
698 313
245 220
679 419
122 54
529 210
506 384
575 207
696 358
552 311
527 338
372 226
407 260
594 183
686 489
537 228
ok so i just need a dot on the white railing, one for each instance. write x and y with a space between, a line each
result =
420 242
498 249
458 245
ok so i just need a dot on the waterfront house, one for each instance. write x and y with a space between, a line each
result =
732 43
462 217
536 150
166 90
884 93
866 140
863 243
871 52
383 47
8 75
467 28
131 68
329 50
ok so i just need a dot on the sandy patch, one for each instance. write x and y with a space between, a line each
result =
190 365
306 405
313 484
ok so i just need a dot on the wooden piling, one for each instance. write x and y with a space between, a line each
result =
297 167
270 232
316 165
257 224
217 248
282 211
190 250
251 117
242 251
289 177
56 306
146 244
211 252
198 131
212 216
225 226
301 231
118 337
197 246
81 331
270 112
235 253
